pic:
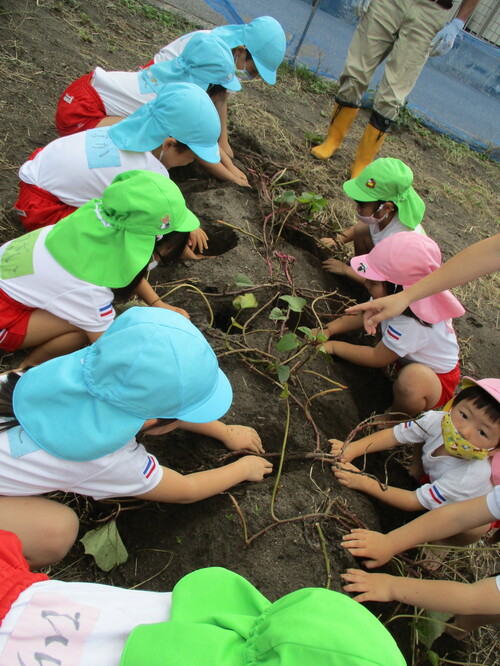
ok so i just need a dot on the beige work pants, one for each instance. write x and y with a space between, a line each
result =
401 31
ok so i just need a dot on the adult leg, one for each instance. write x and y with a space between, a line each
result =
409 55
416 389
50 336
46 528
371 43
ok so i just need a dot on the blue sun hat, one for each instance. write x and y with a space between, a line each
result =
150 363
263 37
181 110
206 60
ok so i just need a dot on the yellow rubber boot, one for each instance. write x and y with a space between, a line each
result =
368 147
342 119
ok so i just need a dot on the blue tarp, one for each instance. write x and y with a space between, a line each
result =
456 94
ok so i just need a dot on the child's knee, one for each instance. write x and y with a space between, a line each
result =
60 535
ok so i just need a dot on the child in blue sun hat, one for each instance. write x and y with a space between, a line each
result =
150 372
258 49
103 98
180 124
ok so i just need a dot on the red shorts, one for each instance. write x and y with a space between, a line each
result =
148 64
14 318
79 108
37 207
449 382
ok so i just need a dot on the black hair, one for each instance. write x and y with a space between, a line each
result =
169 248
391 289
181 147
7 387
161 422
215 89
248 56
481 399
378 203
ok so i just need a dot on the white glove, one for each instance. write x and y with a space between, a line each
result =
359 7
445 38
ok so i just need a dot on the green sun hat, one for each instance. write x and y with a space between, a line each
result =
389 179
108 241
218 613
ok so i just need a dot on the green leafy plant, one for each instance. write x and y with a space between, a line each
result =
245 301
313 203
106 546
295 303
242 280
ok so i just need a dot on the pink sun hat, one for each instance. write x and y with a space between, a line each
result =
492 386
405 258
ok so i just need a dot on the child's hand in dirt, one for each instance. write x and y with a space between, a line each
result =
198 241
367 543
345 476
329 242
373 587
257 468
239 177
320 331
238 437
337 445
334 266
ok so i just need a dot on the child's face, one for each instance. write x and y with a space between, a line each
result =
475 425
375 289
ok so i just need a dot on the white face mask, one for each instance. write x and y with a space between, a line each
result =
370 219
241 74
152 264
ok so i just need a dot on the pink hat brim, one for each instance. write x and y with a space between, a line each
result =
438 307
362 266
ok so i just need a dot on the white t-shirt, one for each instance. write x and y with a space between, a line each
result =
451 479
394 227
106 616
79 167
122 93
26 470
175 48
40 282
435 347
493 502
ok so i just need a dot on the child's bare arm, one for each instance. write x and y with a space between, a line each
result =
146 292
234 437
482 597
378 441
225 170
343 324
434 525
350 477
371 357
179 489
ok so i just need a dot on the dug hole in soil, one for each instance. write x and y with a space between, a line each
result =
290 538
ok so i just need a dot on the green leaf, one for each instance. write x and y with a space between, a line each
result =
429 626
283 373
285 392
277 314
295 303
287 197
245 301
234 324
307 332
106 545
242 280
287 342
433 657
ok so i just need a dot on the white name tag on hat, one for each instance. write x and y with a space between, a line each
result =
100 150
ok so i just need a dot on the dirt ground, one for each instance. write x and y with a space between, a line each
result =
284 533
